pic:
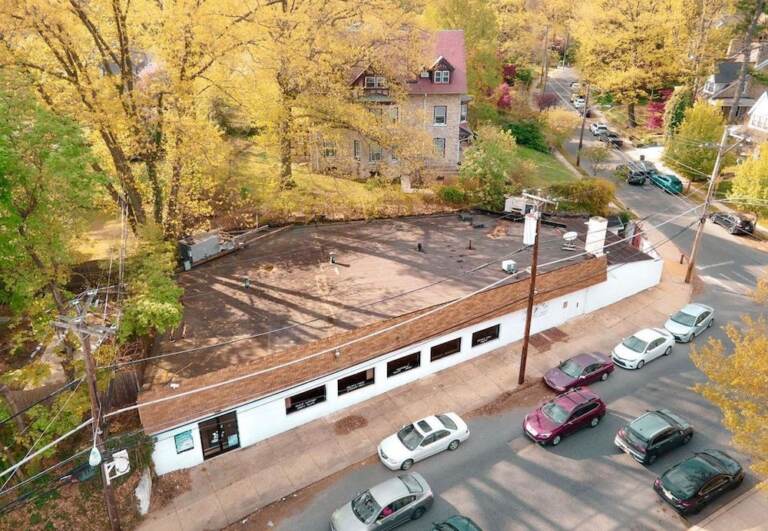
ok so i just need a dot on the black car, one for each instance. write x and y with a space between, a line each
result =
637 177
612 139
653 434
456 523
690 485
733 223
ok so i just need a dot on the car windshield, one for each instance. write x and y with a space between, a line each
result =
571 368
556 413
635 343
365 506
411 484
409 436
447 422
684 319
635 438
684 480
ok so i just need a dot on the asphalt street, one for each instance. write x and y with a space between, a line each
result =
504 482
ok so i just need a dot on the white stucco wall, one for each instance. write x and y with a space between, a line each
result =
264 418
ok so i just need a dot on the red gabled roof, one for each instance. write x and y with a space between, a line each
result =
448 44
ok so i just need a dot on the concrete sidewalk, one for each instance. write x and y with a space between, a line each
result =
233 485
748 511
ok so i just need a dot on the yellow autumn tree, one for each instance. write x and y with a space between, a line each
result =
138 75
737 383
303 61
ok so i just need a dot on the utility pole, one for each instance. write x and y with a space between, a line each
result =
545 62
721 150
583 123
83 330
538 201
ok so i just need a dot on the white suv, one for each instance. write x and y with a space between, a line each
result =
598 129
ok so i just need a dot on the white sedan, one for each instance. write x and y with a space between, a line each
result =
690 321
423 438
644 346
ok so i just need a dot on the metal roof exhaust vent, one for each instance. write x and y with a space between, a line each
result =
569 241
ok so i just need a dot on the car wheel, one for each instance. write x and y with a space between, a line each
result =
709 324
641 364
408 463
418 513
687 438
454 444
669 349
604 376
651 459
594 422
556 440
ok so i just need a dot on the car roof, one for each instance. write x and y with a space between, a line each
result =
649 424
588 358
389 491
696 468
696 309
575 397
647 334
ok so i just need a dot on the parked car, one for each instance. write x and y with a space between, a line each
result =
456 523
579 102
690 485
668 183
598 128
385 506
421 439
563 415
653 434
611 139
644 346
636 177
575 85
579 370
689 322
733 223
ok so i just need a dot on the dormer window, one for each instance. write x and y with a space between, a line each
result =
442 77
375 82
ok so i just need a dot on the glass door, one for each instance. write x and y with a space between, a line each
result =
219 435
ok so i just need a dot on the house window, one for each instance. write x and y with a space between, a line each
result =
374 152
439 146
374 82
356 381
394 114
485 335
445 349
406 363
356 149
440 115
329 149
443 77
464 112
304 400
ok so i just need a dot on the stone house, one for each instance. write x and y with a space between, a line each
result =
435 100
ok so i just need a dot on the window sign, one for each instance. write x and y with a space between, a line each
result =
356 381
184 441
304 400
445 349
485 335
406 363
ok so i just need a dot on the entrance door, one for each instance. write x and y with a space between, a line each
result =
219 435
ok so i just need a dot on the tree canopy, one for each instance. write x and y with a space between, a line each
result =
693 150
750 183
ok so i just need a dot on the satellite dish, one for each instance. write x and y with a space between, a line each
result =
570 236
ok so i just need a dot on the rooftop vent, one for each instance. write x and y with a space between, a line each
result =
509 266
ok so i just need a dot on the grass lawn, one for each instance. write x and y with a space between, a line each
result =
548 170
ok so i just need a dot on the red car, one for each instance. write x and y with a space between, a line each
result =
579 370
563 415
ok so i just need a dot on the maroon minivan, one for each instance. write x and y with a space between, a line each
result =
579 370
563 415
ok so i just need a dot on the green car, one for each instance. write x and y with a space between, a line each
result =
668 183
456 523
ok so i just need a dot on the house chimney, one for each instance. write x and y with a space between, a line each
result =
595 239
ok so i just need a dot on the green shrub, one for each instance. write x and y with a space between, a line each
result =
453 195
529 133
590 196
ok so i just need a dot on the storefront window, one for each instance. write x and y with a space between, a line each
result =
445 349
304 400
406 363
485 335
356 381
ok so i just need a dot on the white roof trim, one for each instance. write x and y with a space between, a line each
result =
760 101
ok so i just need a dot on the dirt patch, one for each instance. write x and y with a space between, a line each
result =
530 393
271 515
555 334
698 286
349 424
541 342
500 230
168 486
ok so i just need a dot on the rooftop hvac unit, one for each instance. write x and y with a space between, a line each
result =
424 74
509 266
